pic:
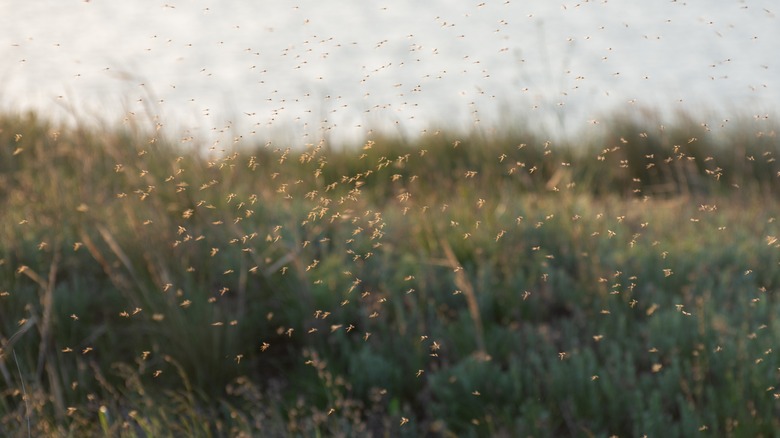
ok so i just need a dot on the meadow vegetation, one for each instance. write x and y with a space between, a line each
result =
479 284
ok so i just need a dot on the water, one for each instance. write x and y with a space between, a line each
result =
216 71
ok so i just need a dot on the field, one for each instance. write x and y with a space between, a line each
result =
476 284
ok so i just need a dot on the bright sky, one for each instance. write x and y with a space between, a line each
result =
216 70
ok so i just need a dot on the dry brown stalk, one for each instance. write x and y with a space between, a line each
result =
465 285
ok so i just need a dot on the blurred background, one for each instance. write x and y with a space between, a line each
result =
556 219
216 72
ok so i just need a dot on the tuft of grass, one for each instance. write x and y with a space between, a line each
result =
452 285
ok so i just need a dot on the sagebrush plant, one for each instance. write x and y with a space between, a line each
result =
453 285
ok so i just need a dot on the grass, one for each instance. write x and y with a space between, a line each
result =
453 285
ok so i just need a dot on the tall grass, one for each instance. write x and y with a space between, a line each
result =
485 284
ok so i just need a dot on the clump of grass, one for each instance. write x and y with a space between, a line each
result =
485 284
